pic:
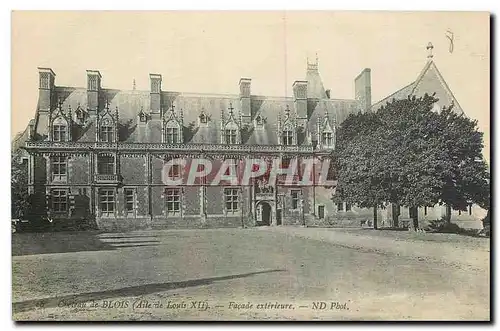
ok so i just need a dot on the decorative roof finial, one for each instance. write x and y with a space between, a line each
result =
172 107
60 103
133 85
107 104
430 47
231 108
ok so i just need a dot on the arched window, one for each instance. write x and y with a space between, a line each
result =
287 136
231 133
59 130
172 132
107 131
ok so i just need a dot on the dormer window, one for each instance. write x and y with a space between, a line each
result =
59 132
259 121
231 136
203 118
327 138
287 137
172 133
106 131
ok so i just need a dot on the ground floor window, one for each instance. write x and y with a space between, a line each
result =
340 206
107 201
295 199
173 200
129 194
347 207
231 198
59 201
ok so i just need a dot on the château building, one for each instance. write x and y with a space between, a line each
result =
98 152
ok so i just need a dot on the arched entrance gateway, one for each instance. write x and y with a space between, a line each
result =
264 213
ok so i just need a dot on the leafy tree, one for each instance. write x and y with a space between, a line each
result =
410 155
20 200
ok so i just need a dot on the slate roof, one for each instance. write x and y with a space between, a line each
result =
428 81
131 102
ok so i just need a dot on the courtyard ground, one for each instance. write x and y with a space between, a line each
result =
274 273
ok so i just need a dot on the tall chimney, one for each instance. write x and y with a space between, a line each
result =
363 90
155 94
93 89
46 89
245 100
300 100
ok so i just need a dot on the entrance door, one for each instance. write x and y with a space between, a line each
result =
266 214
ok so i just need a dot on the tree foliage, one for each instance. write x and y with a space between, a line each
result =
20 200
410 155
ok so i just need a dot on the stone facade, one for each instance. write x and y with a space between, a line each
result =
97 153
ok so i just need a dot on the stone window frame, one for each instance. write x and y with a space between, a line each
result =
59 162
176 201
232 197
99 164
108 202
107 131
60 129
54 196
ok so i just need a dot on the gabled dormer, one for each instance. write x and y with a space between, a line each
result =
287 128
230 127
172 125
81 116
107 125
203 119
325 132
259 121
60 124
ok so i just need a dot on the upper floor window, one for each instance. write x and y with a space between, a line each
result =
327 138
106 165
60 132
287 137
59 167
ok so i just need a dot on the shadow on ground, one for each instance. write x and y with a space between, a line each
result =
131 291
65 242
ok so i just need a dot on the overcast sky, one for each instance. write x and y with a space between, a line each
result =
210 51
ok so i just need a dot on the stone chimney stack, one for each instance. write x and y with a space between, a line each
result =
245 100
155 93
300 100
363 90
93 90
46 89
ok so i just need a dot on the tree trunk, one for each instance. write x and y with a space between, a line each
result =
447 215
414 216
375 220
